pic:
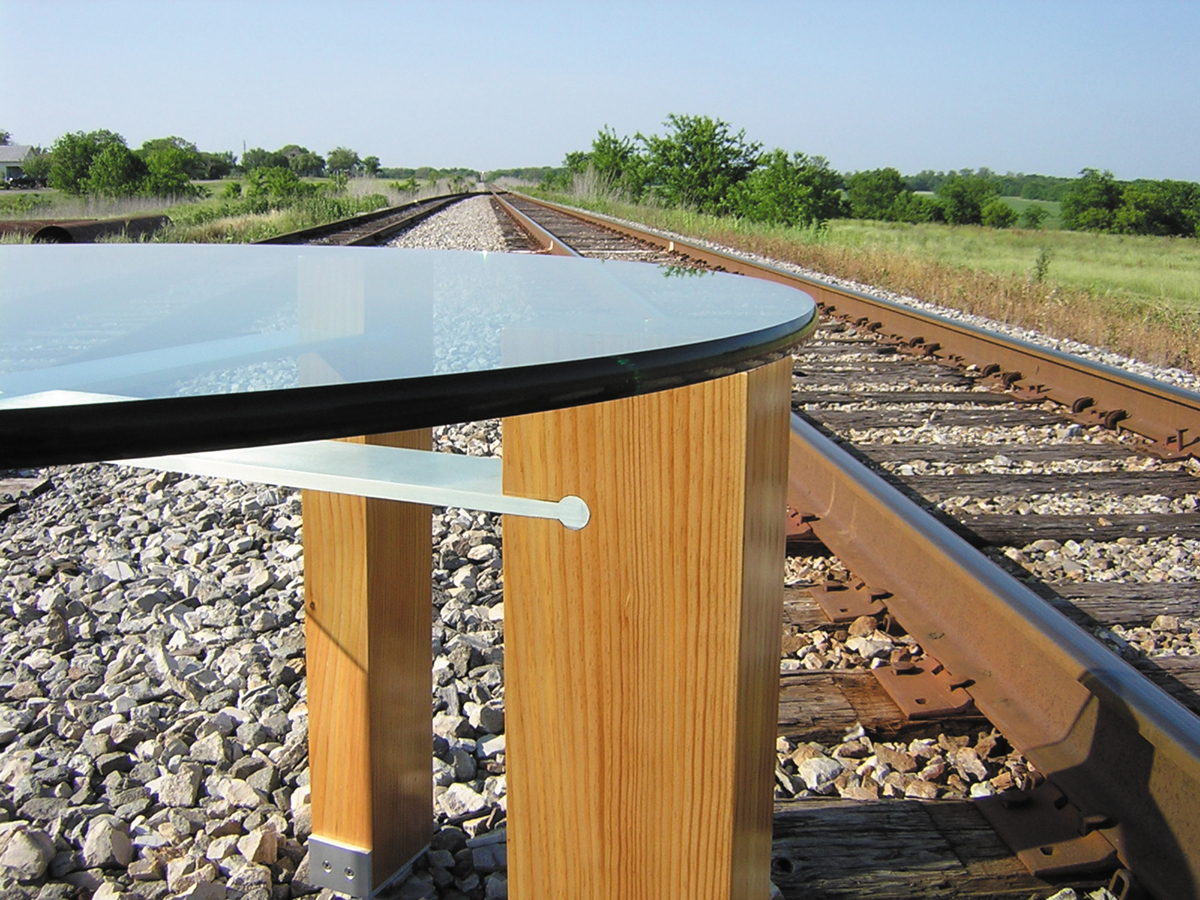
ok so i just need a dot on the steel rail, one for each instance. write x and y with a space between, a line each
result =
1124 752
1121 750
1165 414
419 210
549 243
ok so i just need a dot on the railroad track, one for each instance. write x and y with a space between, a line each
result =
369 229
982 568
985 565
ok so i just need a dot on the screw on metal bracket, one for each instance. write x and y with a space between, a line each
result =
343 868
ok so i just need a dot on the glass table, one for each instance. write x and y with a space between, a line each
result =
643 480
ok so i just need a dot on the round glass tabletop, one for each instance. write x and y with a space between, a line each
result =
117 350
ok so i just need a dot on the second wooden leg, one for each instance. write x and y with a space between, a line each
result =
367 601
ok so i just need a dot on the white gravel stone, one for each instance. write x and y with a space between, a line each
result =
107 844
470 224
24 852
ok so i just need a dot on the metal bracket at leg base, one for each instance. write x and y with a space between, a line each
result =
346 869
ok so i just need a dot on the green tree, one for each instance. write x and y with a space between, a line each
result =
698 162
963 197
914 208
307 164
5 137
217 165
1091 202
116 171
182 153
577 161
342 161
72 155
370 166
873 194
617 161
37 164
171 163
1034 216
258 158
925 180
799 190
1158 207
275 186
998 214
168 173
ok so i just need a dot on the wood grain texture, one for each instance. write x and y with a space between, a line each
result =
897 850
367 570
822 705
642 652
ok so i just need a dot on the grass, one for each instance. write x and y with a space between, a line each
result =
1152 270
52 204
223 223
1053 209
1139 296
215 219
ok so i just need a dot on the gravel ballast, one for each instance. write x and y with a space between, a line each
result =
153 718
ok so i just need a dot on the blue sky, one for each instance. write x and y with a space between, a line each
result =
1046 87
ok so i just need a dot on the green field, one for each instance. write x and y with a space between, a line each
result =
1132 294
1156 270
1052 207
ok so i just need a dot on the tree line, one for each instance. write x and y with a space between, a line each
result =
701 163
1011 184
100 163
1096 201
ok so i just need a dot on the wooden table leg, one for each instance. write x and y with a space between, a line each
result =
642 652
367 574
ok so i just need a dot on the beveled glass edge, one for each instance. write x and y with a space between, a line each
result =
118 430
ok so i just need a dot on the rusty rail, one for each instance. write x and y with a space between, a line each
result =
1121 751
391 219
1126 754
1096 393
549 243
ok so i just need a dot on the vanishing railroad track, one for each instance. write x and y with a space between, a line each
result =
991 551
1013 532
369 229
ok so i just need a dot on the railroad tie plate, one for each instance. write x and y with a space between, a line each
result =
1048 834
925 690
799 528
843 602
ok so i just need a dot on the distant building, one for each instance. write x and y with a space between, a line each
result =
11 158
